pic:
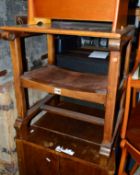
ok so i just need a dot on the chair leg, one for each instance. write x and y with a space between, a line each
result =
134 98
135 166
123 161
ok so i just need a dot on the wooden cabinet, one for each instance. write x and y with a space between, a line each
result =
39 156
71 167
88 131
37 160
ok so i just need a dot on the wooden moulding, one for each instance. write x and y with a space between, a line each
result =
117 39
48 29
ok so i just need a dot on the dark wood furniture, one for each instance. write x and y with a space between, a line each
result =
39 156
131 122
62 18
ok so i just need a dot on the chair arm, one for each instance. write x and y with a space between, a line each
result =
7 35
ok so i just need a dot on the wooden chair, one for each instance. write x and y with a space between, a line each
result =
91 18
130 133
42 19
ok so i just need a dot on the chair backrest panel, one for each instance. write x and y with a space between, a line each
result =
95 10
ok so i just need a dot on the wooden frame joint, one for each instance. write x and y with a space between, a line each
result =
37 21
10 36
114 44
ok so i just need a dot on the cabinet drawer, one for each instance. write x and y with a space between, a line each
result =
75 167
39 161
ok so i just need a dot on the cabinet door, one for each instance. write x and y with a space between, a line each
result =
39 161
74 167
